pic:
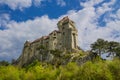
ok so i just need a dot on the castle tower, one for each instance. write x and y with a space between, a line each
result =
69 34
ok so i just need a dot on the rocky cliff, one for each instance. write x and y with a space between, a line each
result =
54 57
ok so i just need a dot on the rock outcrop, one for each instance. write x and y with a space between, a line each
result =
54 57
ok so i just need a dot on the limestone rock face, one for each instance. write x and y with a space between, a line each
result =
54 57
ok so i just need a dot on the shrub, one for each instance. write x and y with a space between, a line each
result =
97 70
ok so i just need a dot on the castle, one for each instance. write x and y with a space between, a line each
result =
65 38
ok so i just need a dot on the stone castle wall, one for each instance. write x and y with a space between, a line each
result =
65 38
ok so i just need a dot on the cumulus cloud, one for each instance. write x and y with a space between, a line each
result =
116 16
105 7
90 3
4 18
20 4
12 39
37 2
61 2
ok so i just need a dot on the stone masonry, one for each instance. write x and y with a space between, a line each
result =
65 38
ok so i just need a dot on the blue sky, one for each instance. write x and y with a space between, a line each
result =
22 20
52 8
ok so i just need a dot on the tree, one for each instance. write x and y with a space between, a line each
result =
118 51
99 46
113 48
4 63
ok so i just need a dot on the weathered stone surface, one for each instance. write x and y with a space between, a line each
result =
54 57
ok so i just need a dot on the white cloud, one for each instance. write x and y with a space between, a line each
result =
20 4
12 39
105 7
4 18
116 16
90 3
61 2
86 22
37 2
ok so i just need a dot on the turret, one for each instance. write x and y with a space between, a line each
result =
69 33
27 43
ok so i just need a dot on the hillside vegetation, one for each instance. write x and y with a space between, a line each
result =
91 70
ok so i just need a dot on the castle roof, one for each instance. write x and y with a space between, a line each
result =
65 19
54 31
27 43
46 37
39 39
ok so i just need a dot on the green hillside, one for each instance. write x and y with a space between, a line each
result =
91 70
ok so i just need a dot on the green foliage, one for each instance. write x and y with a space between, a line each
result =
69 72
40 47
96 70
101 46
56 52
9 72
114 67
4 63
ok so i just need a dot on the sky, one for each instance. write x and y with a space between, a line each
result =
22 20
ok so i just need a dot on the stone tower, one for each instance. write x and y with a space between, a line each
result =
69 34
